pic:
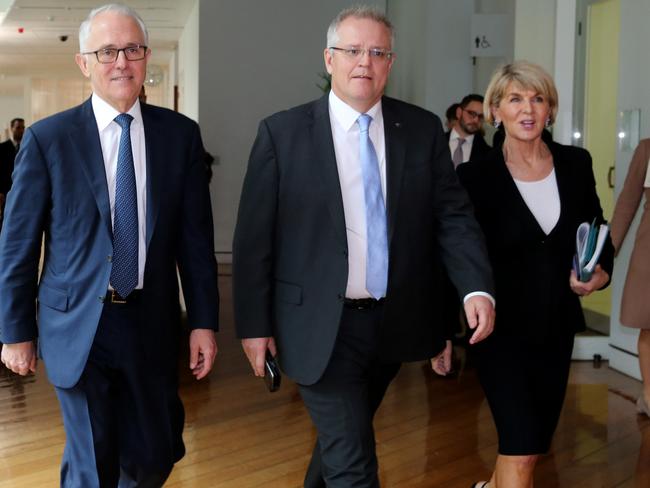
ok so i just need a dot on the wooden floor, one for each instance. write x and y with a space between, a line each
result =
431 432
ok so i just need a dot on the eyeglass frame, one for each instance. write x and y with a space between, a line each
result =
474 115
117 53
386 55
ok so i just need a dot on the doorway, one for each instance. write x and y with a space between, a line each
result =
595 121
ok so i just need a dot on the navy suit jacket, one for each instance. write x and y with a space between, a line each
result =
60 192
290 254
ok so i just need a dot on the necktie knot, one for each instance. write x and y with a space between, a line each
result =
364 122
461 141
124 121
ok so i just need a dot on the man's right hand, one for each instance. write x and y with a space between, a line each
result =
20 357
255 350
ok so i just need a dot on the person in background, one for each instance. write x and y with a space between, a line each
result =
8 151
350 209
119 191
530 196
635 305
450 116
466 142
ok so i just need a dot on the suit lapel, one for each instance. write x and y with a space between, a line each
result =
84 138
395 158
155 156
321 135
510 193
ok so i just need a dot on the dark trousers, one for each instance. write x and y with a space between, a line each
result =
123 419
343 402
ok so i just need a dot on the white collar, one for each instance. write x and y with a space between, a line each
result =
455 135
105 113
346 116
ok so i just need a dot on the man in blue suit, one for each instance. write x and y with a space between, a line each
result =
118 190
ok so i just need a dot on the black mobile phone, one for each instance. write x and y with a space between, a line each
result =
272 375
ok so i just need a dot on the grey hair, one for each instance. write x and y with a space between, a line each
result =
358 12
84 28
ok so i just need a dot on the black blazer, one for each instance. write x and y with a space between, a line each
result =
479 147
532 269
290 262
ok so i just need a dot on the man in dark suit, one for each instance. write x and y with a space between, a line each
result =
466 142
8 151
349 211
119 191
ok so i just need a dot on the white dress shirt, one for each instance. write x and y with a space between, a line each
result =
466 147
109 137
345 133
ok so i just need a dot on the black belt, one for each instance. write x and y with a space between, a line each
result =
362 303
113 297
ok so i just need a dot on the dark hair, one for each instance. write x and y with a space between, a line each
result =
472 97
16 120
451 111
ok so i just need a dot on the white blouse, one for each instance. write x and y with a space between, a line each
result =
543 199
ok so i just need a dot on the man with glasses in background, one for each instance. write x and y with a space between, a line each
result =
349 211
119 190
466 142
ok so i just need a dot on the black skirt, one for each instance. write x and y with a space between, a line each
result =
525 385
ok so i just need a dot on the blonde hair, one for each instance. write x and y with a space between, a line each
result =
526 75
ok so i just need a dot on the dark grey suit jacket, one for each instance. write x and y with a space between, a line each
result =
290 261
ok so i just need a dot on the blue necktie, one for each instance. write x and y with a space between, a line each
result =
124 274
376 233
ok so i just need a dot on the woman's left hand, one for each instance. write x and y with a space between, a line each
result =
598 279
441 363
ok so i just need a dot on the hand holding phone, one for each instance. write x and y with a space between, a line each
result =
272 375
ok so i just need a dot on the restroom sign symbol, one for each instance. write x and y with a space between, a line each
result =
491 35
482 42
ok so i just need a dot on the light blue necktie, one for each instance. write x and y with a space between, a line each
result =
376 233
124 274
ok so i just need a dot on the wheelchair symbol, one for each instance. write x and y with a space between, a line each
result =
482 42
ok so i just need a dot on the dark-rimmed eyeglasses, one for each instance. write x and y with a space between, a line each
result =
109 55
357 52
474 115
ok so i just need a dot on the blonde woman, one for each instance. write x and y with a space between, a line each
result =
529 197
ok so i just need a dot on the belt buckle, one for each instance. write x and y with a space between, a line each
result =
116 298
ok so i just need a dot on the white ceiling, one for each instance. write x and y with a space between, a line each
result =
38 49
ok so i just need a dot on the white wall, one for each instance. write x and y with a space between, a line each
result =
256 58
188 65
433 66
535 32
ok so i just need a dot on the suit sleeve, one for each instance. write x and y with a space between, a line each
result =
461 240
254 240
630 197
20 243
196 262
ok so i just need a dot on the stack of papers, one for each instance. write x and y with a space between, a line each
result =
590 239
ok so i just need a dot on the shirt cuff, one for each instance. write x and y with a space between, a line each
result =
480 294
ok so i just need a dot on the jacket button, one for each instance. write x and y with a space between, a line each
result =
101 299
345 253
109 258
